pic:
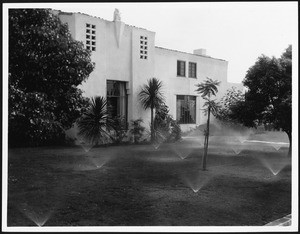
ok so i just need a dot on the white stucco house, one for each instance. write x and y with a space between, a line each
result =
126 57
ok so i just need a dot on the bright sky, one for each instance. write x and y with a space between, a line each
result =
235 31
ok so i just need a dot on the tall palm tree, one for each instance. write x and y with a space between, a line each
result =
95 124
207 89
151 97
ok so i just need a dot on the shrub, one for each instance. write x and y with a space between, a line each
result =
137 130
166 128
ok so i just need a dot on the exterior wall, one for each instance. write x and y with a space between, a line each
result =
166 70
117 57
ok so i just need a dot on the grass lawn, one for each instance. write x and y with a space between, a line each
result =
245 184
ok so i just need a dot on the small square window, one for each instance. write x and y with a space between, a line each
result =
93 37
141 56
142 37
145 38
93 26
145 43
145 52
93 48
88 36
146 47
88 25
142 42
93 32
142 47
88 47
145 57
93 43
88 42
141 52
88 31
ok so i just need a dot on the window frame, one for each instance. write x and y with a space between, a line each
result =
186 98
190 70
179 68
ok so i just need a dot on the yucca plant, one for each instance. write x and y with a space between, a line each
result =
207 89
151 97
95 124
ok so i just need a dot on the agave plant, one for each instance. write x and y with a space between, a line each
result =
95 124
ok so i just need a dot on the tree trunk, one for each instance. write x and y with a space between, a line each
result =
289 133
152 127
206 142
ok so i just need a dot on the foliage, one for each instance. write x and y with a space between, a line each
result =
229 105
207 89
137 130
268 99
151 97
165 126
120 128
95 124
45 67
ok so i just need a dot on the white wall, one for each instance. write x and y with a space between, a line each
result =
166 70
122 62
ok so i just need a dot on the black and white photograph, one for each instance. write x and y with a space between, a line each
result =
150 116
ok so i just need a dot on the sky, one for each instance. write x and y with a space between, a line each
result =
238 32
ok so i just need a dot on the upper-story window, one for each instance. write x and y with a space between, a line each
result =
90 37
180 68
192 70
143 47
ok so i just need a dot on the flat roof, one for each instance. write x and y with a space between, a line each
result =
204 56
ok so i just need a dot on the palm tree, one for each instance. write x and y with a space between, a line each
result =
206 89
151 97
95 124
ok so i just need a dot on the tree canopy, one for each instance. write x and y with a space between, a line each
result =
268 99
45 67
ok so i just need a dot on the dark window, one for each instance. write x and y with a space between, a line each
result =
117 98
88 47
93 37
88 36
93 26
186 109
180 68
88 25
88 31
192 70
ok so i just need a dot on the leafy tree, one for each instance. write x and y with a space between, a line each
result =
151 97
45 67
96 123
268 99
230 103
207 89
